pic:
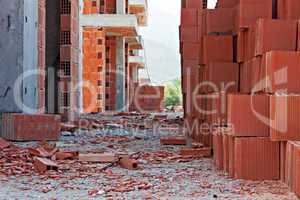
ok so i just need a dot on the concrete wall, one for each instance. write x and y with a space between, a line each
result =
30 54
52 54
17 21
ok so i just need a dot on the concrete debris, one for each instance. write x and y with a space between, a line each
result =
42 165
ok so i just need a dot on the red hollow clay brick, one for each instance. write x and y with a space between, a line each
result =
173 140
24 127
241 45
227 3
292 166
219 106
220 20
191 50
189 17
275 35
98 158
285 117
249 115
226 152
199 152
245 77
217 49
282 160
63 155
224 76
256 158
231 158
288 162
248 11
192 4
42 165
280 71
288 9
189 34
128 163
255 71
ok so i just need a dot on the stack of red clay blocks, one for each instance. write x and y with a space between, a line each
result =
207 48
251 48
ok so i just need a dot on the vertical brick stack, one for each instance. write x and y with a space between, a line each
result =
191 33
207 48
254 45
69 48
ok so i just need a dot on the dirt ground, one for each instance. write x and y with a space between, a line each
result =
162 174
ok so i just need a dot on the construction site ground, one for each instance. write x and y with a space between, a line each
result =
162 173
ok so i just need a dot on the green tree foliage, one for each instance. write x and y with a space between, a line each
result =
173 93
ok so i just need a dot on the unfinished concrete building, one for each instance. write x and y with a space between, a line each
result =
110 57
75 56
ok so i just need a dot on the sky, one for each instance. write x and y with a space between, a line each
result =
161 40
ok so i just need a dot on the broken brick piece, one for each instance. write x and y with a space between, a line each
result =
201 152
100 158
197 145
128 163
65 155
4 144
42 152
173 140
42 165
68 127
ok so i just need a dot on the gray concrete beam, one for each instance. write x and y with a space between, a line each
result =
106 20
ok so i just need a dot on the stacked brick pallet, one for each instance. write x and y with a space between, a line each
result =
207 48
148 98
252 44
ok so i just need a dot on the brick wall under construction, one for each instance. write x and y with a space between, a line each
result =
93 69
99 7
241 60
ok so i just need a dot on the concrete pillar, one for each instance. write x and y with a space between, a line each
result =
120 95
121 6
